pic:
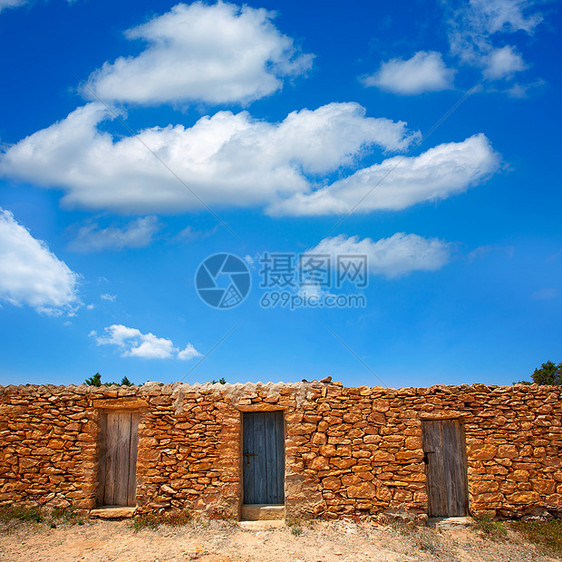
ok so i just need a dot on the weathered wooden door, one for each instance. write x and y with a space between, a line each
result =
263 460
445 457
118 458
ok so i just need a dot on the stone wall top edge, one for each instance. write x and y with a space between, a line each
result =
152 388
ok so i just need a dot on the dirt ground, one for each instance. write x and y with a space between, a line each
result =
219 541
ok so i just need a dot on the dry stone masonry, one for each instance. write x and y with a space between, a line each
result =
348 451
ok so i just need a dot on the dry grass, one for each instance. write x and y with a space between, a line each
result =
28 534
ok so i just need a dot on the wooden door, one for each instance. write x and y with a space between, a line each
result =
445 457
263 460
117 472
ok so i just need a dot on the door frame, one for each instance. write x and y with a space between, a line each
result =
261 409
101 448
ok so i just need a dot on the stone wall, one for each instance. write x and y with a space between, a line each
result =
349 451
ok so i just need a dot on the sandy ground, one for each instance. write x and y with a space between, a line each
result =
218 541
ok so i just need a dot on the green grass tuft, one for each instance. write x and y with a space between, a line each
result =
547 535
146 521
11 513
20 513
67 514
490 528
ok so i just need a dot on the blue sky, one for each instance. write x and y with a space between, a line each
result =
140 138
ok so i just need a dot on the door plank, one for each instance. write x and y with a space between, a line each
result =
122 458
110 459
280 498
247 449
259 451
270 451
101 459
133 449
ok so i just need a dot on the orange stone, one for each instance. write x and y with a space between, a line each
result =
363 490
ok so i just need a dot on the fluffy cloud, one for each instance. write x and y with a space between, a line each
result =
137 234
188 352
400 182
227 159
217 54
502 63
133 343
30 274
474 27
424 72
391 257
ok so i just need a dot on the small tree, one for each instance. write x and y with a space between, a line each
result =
549 373
94 381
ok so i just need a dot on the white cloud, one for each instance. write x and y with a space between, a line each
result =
217 54
189 352
474 29
392 257
502 63
400 182
30 274
504 15
491 251
4 4
133 343
227 159
522 90
189 234
424 72
108 297
137 234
